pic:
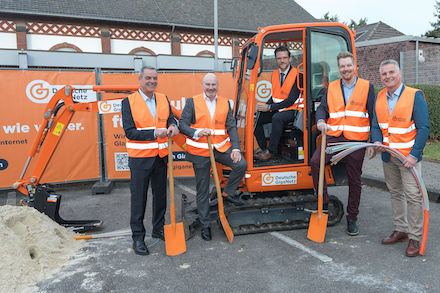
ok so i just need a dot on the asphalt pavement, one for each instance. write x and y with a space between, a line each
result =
283 261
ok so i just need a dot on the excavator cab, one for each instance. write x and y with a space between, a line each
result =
277 193
313 49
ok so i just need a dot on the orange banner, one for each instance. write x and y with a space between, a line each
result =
24 95
178 87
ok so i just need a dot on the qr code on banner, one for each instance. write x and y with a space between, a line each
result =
121 162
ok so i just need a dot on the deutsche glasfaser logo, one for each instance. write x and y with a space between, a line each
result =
104 107
38 91
264 90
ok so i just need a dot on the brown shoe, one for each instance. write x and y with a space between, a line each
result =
257 151
413 248
265 156
396 236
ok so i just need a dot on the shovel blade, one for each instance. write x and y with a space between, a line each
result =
174 239
317 227
227 228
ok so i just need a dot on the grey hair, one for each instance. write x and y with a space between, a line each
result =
210 74
141 72
389 61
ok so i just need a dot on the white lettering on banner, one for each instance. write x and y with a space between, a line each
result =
264 90
117 121
24 128
110 106
40 92
279 178
178 104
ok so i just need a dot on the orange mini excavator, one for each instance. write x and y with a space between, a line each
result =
277 193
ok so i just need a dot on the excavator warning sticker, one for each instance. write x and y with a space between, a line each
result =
279 178
58 129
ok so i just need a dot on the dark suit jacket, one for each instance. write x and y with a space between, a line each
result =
141 135
189 117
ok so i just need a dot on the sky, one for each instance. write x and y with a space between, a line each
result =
411 17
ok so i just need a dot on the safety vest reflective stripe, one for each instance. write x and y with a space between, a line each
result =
146 146
385 139
146 128
349 113
402 145
383 125
204 145
399 130
215 131
349 128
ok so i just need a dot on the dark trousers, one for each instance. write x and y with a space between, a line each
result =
353 167
140 179
202 167
279 121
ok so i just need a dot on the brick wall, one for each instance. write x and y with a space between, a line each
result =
369 58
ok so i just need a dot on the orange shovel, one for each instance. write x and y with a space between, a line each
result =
221 212
174 233
318 221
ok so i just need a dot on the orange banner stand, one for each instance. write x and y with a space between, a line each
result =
24 95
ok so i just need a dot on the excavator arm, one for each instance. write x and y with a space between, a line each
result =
57 115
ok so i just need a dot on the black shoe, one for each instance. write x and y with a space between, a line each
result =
158 234
314 209
206 234
233 200
140 248
352 229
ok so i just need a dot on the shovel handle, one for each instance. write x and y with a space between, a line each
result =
214 170
171 180
321 173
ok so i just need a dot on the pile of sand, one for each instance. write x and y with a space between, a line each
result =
32 247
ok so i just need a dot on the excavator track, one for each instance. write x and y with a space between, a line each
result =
267 212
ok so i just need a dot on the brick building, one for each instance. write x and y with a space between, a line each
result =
160 27
419 57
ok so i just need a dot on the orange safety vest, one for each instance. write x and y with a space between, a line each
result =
220 138
351 119
280 93
398 130
145 121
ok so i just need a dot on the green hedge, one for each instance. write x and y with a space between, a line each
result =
432 94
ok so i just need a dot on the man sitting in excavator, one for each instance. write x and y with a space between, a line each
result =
282 107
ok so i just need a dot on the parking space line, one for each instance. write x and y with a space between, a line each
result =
291 242
187 189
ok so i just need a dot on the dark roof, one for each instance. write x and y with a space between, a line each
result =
378 30
233 15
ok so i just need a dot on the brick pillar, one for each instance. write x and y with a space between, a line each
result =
105 41
235 48
175 45
20 32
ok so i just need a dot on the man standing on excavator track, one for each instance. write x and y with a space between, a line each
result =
348 108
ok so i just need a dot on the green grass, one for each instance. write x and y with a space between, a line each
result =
432 150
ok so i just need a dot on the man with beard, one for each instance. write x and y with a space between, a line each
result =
348 109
